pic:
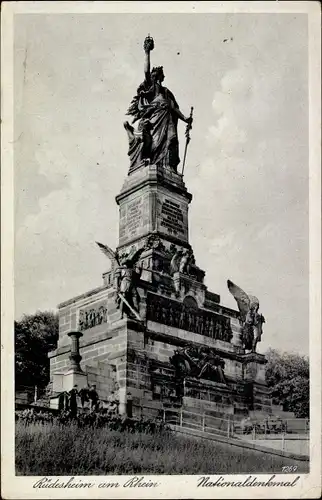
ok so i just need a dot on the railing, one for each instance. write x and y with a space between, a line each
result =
291 435
207 421
204 422
199 421
28 394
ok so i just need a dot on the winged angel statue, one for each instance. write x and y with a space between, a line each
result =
181 261
125 277
251 320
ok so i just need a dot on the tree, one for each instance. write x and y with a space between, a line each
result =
35 336
288 375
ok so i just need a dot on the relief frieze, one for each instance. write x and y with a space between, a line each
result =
92 315
176 314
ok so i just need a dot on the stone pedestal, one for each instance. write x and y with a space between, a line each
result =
72 378
75 356
254 367
153 198
185 284
236 329
206 395
66 380
75 375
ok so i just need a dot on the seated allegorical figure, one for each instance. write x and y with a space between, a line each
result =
140 143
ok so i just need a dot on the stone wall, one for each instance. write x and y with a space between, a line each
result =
103 352
104 376
72 311
126 356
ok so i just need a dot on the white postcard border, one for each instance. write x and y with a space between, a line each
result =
307 486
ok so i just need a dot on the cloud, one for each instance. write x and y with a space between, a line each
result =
55 247
247 208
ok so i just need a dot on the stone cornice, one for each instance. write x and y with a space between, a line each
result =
217 309
167 237
94 291
107 335
254 356
156 180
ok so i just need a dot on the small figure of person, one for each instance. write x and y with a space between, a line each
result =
61 401
206 326
73 393
92 317
93 398
171 316
211 328
218 330
83 394
129 405
112 403
82 321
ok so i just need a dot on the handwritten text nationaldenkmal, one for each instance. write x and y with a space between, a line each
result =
205 481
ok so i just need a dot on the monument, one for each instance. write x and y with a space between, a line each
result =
153 331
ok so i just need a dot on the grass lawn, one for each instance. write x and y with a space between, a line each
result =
53 449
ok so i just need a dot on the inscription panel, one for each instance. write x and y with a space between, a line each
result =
131 219
173 217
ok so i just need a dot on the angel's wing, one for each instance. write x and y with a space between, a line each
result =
175 262
110 254
241 298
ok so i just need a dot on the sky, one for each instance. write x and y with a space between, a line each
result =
247 165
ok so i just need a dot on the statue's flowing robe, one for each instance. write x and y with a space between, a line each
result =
135 151
159 110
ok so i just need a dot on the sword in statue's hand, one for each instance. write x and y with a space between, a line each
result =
187 134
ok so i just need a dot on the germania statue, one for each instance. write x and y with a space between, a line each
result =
157 112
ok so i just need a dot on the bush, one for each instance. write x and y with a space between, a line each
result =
288 376
96 420
35 335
